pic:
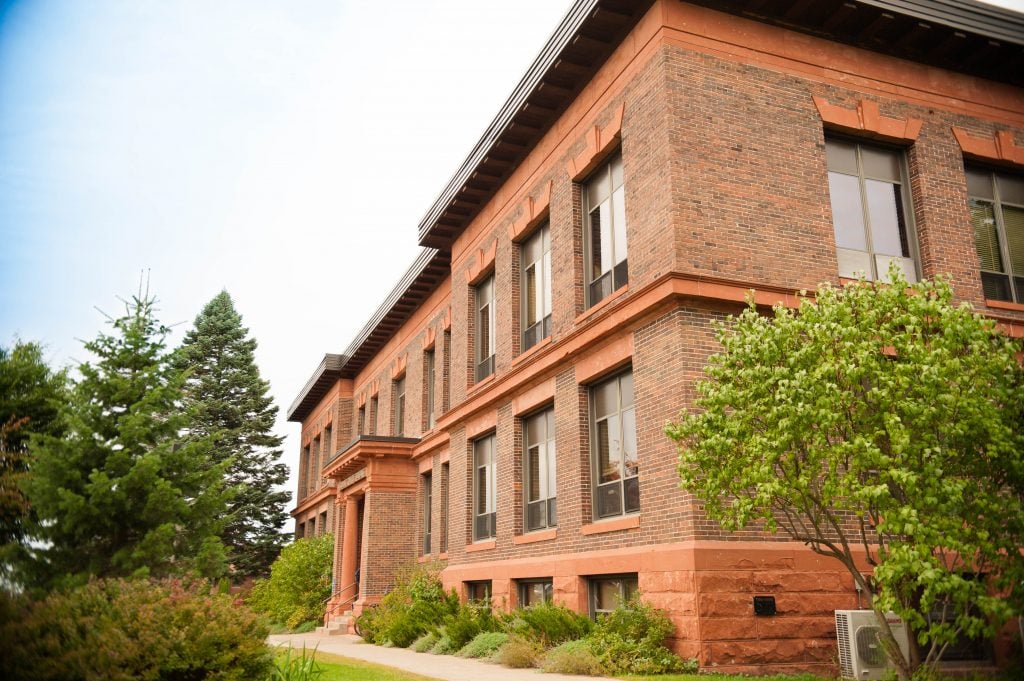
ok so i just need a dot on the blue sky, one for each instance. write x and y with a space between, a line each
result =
284 151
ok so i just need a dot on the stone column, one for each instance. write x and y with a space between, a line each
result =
349 548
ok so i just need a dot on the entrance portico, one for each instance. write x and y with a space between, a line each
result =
376 482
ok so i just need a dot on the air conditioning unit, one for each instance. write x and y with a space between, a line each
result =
861 655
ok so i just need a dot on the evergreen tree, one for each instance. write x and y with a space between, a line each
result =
30 396
121 493
228 401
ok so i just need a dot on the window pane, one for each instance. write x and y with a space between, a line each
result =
630 461
1011 189
847 212
626 389
552 487
481 490
530 296
842 156
598 188
606 261
485 335
619 224
605 399
609 594
610 446
631 494
609 499
545 284
979 184
533 464
629 588
880 164
986 239
1013 223
616 165
888 234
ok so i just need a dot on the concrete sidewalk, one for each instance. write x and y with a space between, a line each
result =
446 667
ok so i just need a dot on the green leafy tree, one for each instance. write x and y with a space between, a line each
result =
299 583
880 425
228 402
30 396
120 493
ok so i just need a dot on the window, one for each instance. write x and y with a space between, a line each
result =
446 386
484 490
361 420
479 592
539 470
428 388
428 500
304 473
314 468
996 204
485 328
444 508
534 591
398 393
535 256
608 593
323 523
613 442
870 210
373 415
605 231
328 432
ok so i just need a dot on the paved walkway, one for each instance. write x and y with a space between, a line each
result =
446 667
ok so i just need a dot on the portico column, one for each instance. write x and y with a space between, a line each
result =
349 549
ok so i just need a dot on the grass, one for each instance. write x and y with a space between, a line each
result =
340 668
724 677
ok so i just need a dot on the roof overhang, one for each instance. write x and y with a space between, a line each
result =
317 386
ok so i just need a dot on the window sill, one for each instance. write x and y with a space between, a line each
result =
485 545
601 526
443 555
1004 305
423 559
544 342
608 300
539 535
482 382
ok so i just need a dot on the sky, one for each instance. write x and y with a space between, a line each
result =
284 151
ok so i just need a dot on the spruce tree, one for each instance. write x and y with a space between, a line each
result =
122 493
228 401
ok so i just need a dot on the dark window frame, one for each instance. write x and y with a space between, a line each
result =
607 183
484 331
484 510
1003 193
621 483
625 580
524 589
541 298
540 513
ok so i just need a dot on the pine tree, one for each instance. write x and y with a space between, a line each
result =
228 401
122 493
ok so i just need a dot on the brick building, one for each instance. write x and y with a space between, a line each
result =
502 412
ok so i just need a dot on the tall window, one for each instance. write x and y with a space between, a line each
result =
361 420
539 470
534 591
444 507
398 393
328 433
429 377
428 501
605 231
996 203
608 593
536 287
304 473
484 488
870 210
613 443
323 523
314 468
485 328
373 416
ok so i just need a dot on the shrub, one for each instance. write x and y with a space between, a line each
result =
415 605
572 657
469 620
444 646
549 624
299 583
119 630
484 644
519 653
305 627
631 640
425 642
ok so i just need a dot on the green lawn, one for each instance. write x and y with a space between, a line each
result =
339 668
